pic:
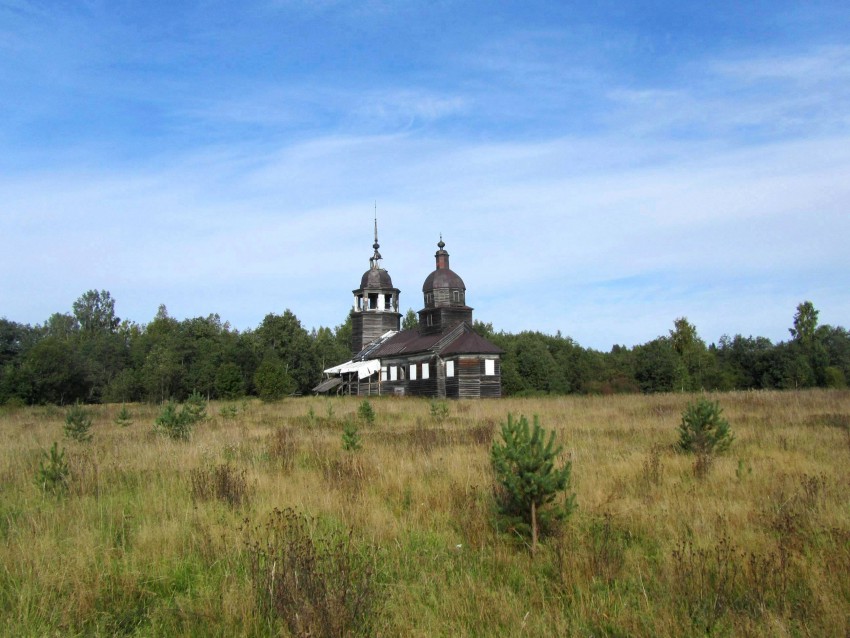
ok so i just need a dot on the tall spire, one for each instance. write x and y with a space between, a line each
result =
377 256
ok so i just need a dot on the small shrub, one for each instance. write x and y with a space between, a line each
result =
703 429
175 424
527 480
227 412
123 418
53 472
195 407
350 437
178 424
439 410
317 584
366 413
78 423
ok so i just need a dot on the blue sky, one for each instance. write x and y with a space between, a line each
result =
595 168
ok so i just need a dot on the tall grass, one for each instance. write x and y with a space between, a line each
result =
154 536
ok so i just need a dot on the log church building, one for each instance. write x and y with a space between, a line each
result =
442 357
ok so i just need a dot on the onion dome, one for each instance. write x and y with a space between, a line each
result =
443 276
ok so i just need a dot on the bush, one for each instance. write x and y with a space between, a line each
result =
196 407
703 430
439 410
123 418
53 472
175 424
178 424
366 412
78 423
350 437
527 480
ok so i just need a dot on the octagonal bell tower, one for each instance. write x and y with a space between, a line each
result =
375 310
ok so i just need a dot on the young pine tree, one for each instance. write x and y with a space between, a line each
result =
350 437
528 482
78 423
703 429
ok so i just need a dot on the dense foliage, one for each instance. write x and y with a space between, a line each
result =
90 355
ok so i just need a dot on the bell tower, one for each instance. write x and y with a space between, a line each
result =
375 310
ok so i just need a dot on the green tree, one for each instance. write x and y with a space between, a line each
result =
703 430
53 472
51 373
95 311
229 383
78 424
174 423
350 437
410 320
366 412
808 347
805 323
290 342
527 479
692 353
657 366
271 379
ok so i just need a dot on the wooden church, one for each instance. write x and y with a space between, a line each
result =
442 357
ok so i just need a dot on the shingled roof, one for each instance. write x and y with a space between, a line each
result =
460 339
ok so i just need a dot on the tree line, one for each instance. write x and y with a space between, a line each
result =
91 355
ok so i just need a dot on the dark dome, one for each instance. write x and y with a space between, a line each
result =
443 278
376 278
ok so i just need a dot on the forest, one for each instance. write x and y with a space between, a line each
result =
90 355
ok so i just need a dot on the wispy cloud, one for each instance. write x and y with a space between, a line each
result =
575 190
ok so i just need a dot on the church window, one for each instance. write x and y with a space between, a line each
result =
373 301
489 367
450 368
426 369
413 372
383 373
393 373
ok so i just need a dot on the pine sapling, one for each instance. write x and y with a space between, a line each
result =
366 412
528 482
53 472
703 430
123 418
78 423
350 437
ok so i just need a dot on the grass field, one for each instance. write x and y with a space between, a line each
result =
155 536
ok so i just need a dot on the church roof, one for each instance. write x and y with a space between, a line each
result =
459 339
443 278
376 278
471 343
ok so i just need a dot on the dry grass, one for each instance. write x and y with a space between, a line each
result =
758 545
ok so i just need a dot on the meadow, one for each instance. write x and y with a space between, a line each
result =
203 537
